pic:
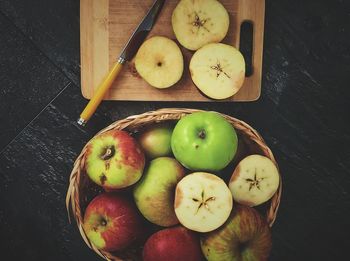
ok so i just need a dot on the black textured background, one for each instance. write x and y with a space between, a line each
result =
303 114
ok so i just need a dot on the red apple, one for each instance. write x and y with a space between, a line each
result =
112 222
114 160
173 244
245 236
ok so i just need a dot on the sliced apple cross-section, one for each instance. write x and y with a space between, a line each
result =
218 70
199 22
159 62
203 202
254 181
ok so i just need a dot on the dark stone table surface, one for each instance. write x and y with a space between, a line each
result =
303 114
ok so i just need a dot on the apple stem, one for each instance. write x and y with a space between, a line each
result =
108 153
201 134
103 222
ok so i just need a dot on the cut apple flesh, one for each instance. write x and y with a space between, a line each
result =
218 70
159 62
254 181
203 202
199 22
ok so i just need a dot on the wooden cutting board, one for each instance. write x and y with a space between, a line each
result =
106 25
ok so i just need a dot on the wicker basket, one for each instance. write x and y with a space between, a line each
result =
81 190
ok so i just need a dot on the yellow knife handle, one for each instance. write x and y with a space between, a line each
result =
100 93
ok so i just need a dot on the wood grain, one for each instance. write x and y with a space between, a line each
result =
106 26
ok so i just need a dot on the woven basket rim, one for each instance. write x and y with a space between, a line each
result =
73 197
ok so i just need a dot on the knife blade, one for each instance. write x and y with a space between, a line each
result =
128 52
141 31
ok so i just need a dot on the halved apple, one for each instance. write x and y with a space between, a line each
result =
159 62
203 202
218 70
199 22
254 181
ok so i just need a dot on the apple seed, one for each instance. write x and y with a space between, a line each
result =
203 202
219 70
254 182
199 22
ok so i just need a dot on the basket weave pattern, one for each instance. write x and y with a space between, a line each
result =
78 180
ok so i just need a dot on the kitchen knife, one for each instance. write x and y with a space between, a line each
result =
128 52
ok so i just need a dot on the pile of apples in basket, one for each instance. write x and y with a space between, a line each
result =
169 177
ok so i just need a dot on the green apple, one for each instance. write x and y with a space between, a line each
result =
245 236
204 141
114 160
155 140
154 194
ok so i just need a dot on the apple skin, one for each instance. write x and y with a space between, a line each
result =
173 244
204 141
155 140
114 160
112 222
245 236
154 194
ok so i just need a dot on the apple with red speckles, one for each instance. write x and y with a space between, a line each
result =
114 160
112 222
245 236
154 193
173 244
